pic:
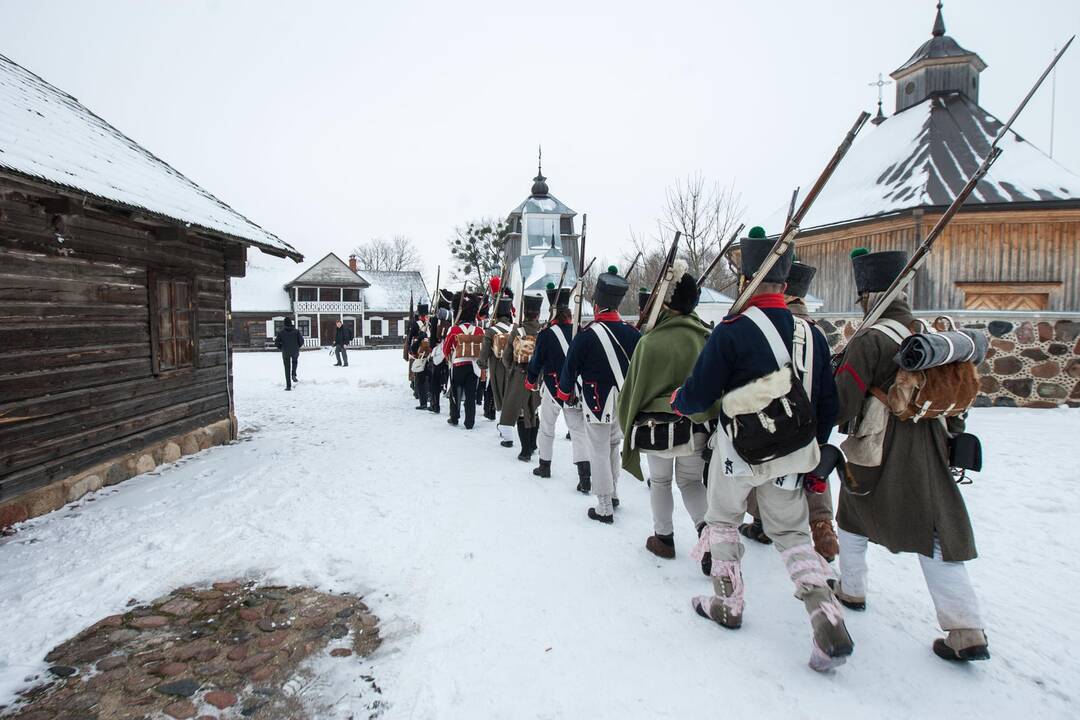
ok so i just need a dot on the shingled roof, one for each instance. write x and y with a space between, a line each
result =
47 136
921 158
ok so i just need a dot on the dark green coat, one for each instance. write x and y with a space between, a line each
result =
914 494
487 361
518 401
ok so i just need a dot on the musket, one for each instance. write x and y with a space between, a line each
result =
558 289
786 240
923 251
724 250
651 310
633 265
579 291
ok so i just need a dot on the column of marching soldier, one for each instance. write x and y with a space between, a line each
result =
681 393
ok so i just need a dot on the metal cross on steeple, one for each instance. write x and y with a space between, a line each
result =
880 85
539 160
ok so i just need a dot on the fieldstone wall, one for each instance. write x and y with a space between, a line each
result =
1032 361
55 495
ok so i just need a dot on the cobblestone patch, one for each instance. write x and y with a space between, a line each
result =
224 651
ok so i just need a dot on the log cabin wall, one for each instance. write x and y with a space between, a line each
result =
1017 247
77 381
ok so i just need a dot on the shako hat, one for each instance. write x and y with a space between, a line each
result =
753 250
532 303
422 308
504 306
558 297
611 288
643 295
875 272
446 299
469 307
798 279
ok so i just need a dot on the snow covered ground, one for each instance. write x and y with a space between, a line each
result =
500 600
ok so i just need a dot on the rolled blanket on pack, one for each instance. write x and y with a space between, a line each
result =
927 350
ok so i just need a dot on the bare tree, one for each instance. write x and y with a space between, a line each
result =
477 249
379 254
705 213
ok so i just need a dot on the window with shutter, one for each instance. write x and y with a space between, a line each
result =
173 322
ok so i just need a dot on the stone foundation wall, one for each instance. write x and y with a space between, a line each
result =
1033 360
56 495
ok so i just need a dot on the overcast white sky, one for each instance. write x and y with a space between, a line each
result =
332 122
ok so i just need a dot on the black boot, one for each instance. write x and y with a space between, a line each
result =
584 473
755 531
524 434
706 557
544 470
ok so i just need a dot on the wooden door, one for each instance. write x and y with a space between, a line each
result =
327 330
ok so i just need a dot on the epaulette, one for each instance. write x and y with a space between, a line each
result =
730 319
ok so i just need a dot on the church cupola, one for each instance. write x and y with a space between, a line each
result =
939 66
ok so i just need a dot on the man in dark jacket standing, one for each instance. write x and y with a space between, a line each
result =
911 502
289 340
342 337
595 367
761 341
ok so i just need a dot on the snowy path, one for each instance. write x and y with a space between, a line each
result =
500 600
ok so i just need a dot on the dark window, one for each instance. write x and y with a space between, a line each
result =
307 294
376 327
350 295
909 88
350 325
173 334
330 294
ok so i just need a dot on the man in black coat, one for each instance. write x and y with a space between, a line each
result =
342 337
289 340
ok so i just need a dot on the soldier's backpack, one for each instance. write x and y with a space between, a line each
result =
524 346
466 345
771 424
498 339
936 392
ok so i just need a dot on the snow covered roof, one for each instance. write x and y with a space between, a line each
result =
548 204
390 290
922 157
48 136
708 295
262 289
331 270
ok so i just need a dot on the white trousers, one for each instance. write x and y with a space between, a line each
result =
783 512
686 472
575 422
604 442
948 582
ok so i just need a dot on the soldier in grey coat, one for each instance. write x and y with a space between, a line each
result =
520 405
911 501
496 371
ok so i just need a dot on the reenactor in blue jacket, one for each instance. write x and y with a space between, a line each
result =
758 362
595 367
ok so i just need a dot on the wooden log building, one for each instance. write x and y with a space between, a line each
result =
1015 245
114 297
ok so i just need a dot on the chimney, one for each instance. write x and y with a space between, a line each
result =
352 263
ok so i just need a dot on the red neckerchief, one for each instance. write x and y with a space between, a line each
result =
608 316
768 300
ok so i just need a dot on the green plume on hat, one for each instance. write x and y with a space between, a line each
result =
757 232
859 251
613 270
643 289
551 286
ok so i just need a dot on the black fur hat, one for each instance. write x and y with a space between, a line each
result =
753 250
531 304
288 321
874 272
685 295
610 290
422 308
798 279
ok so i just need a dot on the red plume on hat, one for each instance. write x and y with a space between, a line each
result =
495 283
